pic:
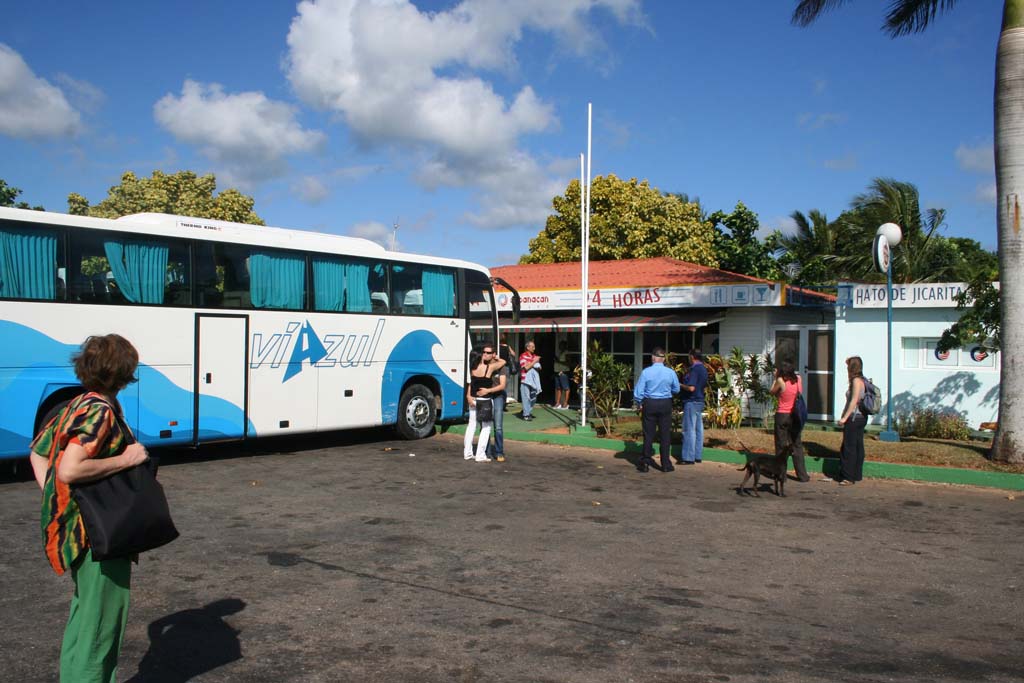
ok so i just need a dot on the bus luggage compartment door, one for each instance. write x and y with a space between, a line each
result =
221 377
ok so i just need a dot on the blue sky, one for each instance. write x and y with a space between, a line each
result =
461 120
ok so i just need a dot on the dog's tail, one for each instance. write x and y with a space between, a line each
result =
746 451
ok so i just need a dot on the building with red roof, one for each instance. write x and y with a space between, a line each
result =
638 304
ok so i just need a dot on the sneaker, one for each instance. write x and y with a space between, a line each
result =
482 459
467 456
500 458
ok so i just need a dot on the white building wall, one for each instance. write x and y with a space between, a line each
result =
969 388
743 327
748 329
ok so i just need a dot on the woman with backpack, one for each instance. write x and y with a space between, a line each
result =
788 426
853 421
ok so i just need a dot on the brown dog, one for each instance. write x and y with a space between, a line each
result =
773 466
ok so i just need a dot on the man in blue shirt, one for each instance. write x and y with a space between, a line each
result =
653 394
693 406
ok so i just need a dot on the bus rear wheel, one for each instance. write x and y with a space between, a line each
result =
51 412
416 412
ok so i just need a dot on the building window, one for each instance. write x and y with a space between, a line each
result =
911 352
922 352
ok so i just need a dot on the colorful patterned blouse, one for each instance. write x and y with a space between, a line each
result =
89 421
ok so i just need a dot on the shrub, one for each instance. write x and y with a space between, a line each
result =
932 423
606 378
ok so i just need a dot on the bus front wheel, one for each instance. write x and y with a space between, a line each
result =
416 412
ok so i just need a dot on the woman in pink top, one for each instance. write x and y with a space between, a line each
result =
787 434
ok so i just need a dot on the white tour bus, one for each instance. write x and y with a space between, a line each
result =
242 330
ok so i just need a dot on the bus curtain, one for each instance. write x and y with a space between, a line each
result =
328 285
276 281
438 292
28 265
357 288
139 269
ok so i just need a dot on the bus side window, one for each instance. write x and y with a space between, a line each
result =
177 289
380 298
32 256
209 279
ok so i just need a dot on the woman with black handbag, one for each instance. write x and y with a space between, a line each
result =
87 442
478 397
789 388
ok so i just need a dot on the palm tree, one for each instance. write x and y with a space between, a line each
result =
912 16
810 248
892 201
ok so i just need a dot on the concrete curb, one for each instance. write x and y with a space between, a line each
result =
829 466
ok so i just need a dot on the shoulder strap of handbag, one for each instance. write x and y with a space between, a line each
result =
128 436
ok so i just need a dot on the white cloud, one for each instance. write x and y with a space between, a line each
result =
406 78
512 190
376 232
84 94
311 190
30 106
847 162
784 224
314 189
246 134
980 159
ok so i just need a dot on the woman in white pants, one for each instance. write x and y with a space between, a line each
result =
480 387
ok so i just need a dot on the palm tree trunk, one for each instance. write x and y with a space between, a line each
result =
1008 445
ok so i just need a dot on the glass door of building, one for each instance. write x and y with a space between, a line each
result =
811 348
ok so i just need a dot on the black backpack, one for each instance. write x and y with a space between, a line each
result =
511 359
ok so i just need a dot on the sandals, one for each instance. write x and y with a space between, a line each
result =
846 482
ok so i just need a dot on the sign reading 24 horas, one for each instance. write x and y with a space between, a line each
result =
629 298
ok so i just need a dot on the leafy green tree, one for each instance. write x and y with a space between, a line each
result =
183 194
980 323
912 16
8 194
971 261
737 246
629 219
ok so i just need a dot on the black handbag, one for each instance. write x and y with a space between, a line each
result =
799 412
484 410
126 513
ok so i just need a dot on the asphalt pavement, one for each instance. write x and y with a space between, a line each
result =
356 557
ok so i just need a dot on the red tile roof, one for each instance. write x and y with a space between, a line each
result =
651 272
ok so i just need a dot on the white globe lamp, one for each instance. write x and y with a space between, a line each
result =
893 233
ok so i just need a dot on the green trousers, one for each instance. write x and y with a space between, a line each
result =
99 613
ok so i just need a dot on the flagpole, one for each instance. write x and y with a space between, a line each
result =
585 264
583 292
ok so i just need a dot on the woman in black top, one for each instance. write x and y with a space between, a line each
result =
478 397
853 421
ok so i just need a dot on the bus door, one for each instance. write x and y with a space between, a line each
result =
221 386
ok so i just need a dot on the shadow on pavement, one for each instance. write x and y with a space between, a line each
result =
189 643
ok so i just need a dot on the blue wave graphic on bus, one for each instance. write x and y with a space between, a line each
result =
44 366
413 355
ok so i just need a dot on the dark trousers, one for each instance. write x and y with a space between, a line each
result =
851 453
658 416
789 441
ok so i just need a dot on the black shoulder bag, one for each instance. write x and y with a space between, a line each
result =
126 513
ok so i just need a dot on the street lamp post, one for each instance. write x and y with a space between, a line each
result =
887 237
